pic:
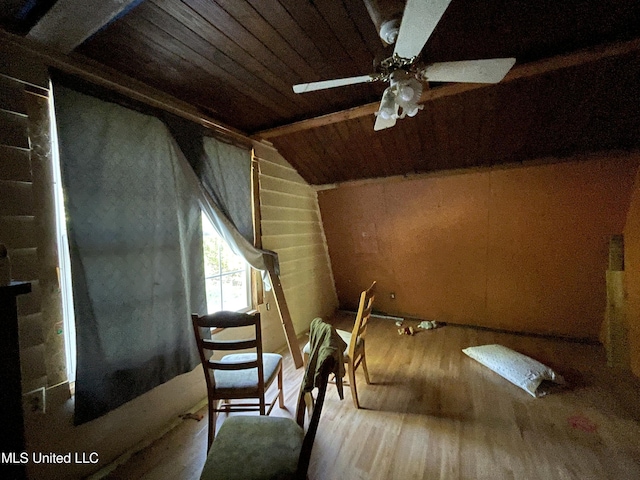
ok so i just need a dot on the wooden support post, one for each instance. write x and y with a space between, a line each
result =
285 316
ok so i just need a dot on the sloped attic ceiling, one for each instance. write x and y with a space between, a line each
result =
574 88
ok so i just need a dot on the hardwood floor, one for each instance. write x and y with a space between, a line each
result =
433 413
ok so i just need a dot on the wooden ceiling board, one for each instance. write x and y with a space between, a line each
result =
202 38
198 53
178 76
529 30
275 14
353 152
342 26
330 146
236 60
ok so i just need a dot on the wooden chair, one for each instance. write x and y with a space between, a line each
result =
354 355
237 375
253 447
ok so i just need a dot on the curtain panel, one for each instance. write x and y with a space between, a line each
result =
135 239
220 175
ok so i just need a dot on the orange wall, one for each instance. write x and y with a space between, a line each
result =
632 275
523 249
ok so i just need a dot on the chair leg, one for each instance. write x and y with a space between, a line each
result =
352 383
280 388
212 423
365 369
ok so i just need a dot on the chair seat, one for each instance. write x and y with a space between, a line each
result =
254 448
346 336
246 381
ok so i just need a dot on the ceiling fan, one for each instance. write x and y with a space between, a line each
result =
405 72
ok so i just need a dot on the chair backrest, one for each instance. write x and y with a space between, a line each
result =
362 317
306 403
207 346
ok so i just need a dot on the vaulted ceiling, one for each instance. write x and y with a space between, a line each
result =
574 89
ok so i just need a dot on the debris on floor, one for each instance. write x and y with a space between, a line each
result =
192 416
428 325
406 331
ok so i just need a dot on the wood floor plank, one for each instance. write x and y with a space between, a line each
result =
431 412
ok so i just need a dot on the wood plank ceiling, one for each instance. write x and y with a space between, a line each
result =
236 60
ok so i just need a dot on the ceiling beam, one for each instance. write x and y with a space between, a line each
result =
101 75
70 22
518 72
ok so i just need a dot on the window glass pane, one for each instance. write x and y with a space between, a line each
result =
231 262
212 244
214 299
227 275
234 291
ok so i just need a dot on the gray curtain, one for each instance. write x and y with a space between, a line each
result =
226 176
135 239
220 175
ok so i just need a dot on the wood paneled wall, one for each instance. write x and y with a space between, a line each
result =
26 215
291 226
522 249
632 276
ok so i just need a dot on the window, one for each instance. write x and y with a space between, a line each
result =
66 291
227 276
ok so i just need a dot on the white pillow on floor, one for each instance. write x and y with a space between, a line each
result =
523 371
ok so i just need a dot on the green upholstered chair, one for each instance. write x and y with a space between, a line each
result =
270 448
236 376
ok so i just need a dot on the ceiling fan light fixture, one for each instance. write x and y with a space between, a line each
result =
406 93
389 31
388 104
409 93
413 111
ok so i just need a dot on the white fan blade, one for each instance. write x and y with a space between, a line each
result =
470 71
337 82
382 123
419 20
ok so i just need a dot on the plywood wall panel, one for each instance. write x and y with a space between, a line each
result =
18 232
283 172
291 226
16 198
24 264
286 213
31 303
522 248
286 199
11 96
437 229
14 164
17 63
281 242
281 185
272 228
632 275
13 129
31 330
549 235
45 229
352 220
